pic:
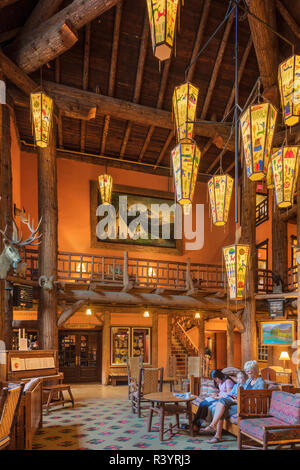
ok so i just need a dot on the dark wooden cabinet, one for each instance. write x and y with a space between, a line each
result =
80 355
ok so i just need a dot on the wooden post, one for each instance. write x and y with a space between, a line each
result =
230 343
298 240
154 340
47 200
249 340
279 244
201 336
6 312
106 348
169 340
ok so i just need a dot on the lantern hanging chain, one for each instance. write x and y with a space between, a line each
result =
236 97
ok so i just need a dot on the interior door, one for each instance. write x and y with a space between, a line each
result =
79 356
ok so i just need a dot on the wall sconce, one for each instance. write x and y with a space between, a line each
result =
146 314
88 311
197 316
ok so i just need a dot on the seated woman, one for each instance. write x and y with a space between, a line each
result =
224 384
224 408
254 382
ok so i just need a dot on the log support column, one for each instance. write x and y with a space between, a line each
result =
106 348
155 339
201 336
249 336
6 309
47 200
230 343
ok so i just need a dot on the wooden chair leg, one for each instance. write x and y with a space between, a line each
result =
190 418
139 408
239 440
49 401
71 396
161 422
150 418
61 398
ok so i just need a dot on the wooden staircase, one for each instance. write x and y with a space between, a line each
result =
178 350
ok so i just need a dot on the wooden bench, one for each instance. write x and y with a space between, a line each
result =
58 388
120 377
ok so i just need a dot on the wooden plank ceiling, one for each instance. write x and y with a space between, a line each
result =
113 56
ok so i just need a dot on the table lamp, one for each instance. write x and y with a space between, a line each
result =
284 356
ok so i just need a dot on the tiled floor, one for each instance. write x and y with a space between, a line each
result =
102 419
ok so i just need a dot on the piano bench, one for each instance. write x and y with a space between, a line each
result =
118 378
54 389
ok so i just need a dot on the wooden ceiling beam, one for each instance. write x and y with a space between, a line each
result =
113 69
139 79
6 3
288 18
59 115
55 35
217 66
85 79
165 148
43 10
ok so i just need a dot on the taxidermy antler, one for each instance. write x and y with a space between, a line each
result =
10 254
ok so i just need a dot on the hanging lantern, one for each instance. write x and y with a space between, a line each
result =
185 99
220 191
285 166
185 158
41 111
258 126
105 186
269 178
162 18
289 87
236 262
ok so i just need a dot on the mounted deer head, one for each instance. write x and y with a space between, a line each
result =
10 254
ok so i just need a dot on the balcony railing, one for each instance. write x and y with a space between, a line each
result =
109 270
292 282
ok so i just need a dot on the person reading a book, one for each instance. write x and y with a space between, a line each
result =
224 408
224 384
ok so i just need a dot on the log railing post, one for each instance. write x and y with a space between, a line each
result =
155 339
298 265
201 336
230 343
106 348
6 310
47 202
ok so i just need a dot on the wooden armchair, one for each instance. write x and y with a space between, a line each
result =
150 381
268 374
134 364
9 407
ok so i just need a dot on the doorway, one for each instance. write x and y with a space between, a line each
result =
79 355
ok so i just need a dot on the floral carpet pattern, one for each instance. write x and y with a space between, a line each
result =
110 425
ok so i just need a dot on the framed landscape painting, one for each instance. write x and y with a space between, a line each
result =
277 333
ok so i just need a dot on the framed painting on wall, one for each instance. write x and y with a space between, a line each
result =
277 333
148 198
141 344
120 345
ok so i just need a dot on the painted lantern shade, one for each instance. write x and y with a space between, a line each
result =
258 126
185 158
41 111
236 262
220 191
289 87
105 186
185 99
162 18
285 166
269 178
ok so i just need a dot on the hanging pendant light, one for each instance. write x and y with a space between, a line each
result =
220 191
236 262
162 18
289 87
269 178
285 167
42 113
105 186
185 99
185 158
257 127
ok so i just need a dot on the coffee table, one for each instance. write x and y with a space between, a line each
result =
166 404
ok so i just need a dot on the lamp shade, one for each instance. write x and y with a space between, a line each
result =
289 87
185 99
269 178
285 166
236 262
185 158
258 126
162 17
41 111
105 186
220 191
284 356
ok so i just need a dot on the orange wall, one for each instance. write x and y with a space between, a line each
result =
74 207
16 167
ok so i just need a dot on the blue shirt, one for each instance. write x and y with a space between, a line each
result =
258 385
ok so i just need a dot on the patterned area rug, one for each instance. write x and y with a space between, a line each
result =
110 425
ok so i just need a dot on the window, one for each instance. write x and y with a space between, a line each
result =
262 353
293 251
262 208
262 254
264 277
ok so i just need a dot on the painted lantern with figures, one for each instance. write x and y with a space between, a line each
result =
185 99
220 191
285 168
162 18
289 87
105 187
41 111
185 159
236 262
257 127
